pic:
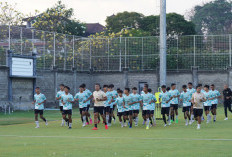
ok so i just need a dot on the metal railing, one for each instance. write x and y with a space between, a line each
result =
65 52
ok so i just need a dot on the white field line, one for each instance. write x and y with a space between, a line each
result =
136 138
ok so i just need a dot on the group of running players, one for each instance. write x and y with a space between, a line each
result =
128 105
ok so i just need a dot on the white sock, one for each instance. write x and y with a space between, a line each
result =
107 118
37 123
214 117
147 121
169 118
176 117
208 117
62 121
84 119
192 116
154 119
199 125
136 120
70 124
186 121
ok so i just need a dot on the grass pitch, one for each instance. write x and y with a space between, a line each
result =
19 138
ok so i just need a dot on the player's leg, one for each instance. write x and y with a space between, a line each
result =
83 114
124 118
214 111
144 116
136 112
70 119
103 117
176 112
36 119
208 114
188 115
147 119
185 115
107 114
42 117
114 106
110 116
61 111
150 117
130 118
96 118
88 114
172 113
120 114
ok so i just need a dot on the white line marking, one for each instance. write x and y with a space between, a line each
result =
190 139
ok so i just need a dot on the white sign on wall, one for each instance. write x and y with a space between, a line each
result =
22 67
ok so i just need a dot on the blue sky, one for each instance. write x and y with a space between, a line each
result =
93 11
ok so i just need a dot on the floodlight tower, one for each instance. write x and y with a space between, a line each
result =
163 46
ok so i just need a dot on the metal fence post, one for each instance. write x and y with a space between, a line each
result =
108 54
125 53
82 54
230 48
65 53
142 53
177 54
90 55
32 37
120 57
54 49
21 38
44 49
194 50
73 51
9 42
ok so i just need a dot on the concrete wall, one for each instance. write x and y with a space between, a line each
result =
49 81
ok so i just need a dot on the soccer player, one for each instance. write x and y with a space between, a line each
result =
227 94
120 106
107 103
113 104
81 97
191 90
214 101
175 94
164 99
207 103
67 100
136 102
152 117
147 105
128 107
197 99
185 97
39 100
143 114
58 97
89 97
99 97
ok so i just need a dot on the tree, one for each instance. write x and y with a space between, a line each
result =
213 18
117 22
8 14
176 25
58 19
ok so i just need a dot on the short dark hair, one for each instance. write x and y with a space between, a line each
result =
149 90
198 86
184 86
98 84
206 86
146 85
163 86
134 88
173 84
120 91
111 86
67 87
213 85
128 89
190 83
83 85
61 85
168 88
37 88
105 86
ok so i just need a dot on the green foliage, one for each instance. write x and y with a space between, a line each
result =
213 18
59 19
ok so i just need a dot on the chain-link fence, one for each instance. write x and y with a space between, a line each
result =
66 52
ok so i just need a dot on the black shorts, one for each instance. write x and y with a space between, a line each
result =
165 110
146 112
197 112
129 113
65 112
84 109
111 110
207 108
119 114
186 108
174 106
107 109
136 111
61 108
191 104
88 106
40 112
214 106
114 107
99 109
151 111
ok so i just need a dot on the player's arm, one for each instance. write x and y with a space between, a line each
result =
44 100
58 97
169 100
89 98
71 100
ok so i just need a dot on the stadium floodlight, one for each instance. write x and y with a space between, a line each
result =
163 46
